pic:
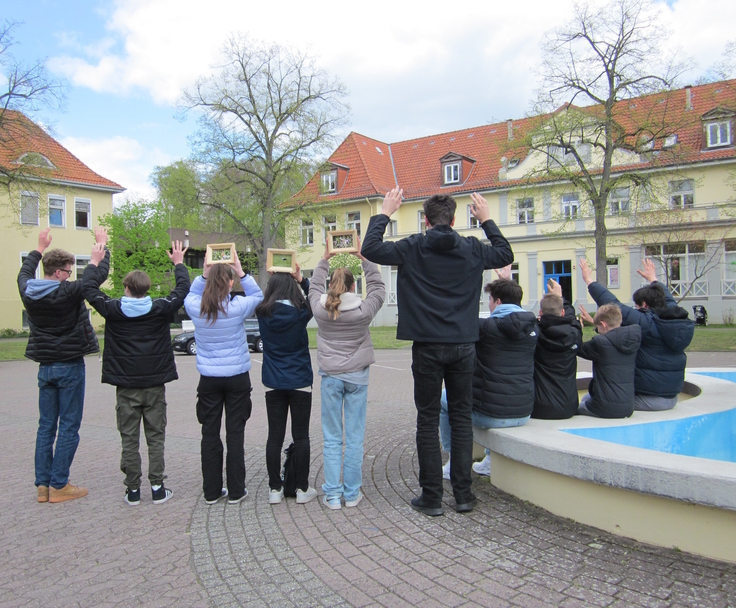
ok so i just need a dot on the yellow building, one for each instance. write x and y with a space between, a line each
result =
683 218
50 188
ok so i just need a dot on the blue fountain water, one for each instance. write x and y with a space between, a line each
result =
710 436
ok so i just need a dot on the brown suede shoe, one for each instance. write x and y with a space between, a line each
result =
43 493
68 492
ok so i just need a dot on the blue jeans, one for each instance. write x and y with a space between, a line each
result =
60 406
353 399
479 420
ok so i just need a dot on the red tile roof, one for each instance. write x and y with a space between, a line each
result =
20 135
416 162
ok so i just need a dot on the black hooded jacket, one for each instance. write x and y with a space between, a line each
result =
556 365
440 275
666 333
614 356
503 382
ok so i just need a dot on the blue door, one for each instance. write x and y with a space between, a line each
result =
562 273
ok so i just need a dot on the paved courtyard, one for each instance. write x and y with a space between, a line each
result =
98 551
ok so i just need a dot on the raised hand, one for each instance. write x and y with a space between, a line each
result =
298 274
392 201
238 267
585 315
44 240
504 273
177 253
554 287
98 254
479 209
586 271
648 270
101 235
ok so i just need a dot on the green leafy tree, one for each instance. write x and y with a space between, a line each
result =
138 240
347 260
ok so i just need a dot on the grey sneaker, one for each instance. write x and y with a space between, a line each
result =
332 502
275 496
483 467
355 501
222 495
304 497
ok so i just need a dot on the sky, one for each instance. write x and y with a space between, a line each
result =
411 68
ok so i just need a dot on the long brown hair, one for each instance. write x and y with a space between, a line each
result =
281 286
216 292
340 282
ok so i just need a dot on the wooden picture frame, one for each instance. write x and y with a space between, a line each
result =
220 253
281 260
342 241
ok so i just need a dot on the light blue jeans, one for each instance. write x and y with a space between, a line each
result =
339 396
479 420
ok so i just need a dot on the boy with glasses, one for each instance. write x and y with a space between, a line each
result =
61 334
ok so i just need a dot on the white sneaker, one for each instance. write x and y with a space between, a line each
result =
275 496
446 470
304 497
356 501
331 502
483 467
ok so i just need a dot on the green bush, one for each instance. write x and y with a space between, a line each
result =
13 333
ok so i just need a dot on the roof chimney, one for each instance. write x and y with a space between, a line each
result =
510 125
688 97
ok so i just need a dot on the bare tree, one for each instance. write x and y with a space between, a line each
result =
268 113
585 124
28 90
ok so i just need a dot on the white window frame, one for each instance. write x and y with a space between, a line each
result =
329 182
472 220
23 256
88 202
392 228
682 194
525 211
613 273
79 268
619 201
306 231
421 224
352 221
452 173
391 288
328 225
688 261
57 198
722 130
728 281
571 205
28 196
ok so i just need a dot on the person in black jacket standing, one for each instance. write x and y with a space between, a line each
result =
61 335
555 358
139 361
440 275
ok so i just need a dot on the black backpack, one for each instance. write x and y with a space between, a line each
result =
288 475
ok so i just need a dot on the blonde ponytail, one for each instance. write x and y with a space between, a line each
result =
341 282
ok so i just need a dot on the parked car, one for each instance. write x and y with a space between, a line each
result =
184 342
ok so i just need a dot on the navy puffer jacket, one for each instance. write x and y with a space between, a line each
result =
503 382
666 333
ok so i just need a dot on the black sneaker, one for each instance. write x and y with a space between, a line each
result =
161 495
214 500
133 497
419 503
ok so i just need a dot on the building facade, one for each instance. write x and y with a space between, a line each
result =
50 188
677 208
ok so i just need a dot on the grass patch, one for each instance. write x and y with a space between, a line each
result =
712 338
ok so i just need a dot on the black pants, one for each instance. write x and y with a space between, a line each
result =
278 403
232 392
431 365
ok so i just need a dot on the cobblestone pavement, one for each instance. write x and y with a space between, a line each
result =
98 551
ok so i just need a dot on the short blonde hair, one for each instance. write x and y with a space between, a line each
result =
610 314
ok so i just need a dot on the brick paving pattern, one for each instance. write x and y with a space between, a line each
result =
98 551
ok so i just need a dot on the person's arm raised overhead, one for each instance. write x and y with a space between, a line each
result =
374 248
374 286
499 253
94 276
181 274
598 292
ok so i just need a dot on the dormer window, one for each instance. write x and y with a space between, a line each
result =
452 173
35 159
329 182
670 141
719 133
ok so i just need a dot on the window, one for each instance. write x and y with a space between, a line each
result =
329 223
80 265
719 133
307 231
421 224
452 173
23 256
570 205
392 228
353 221
669 141
682 194
29 208
35 159
391 291
515 272
82 208
329 182
681 266
472 221
729 269
618 201
612 271
525 211
56 211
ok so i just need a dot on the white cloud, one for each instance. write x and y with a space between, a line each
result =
122 159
